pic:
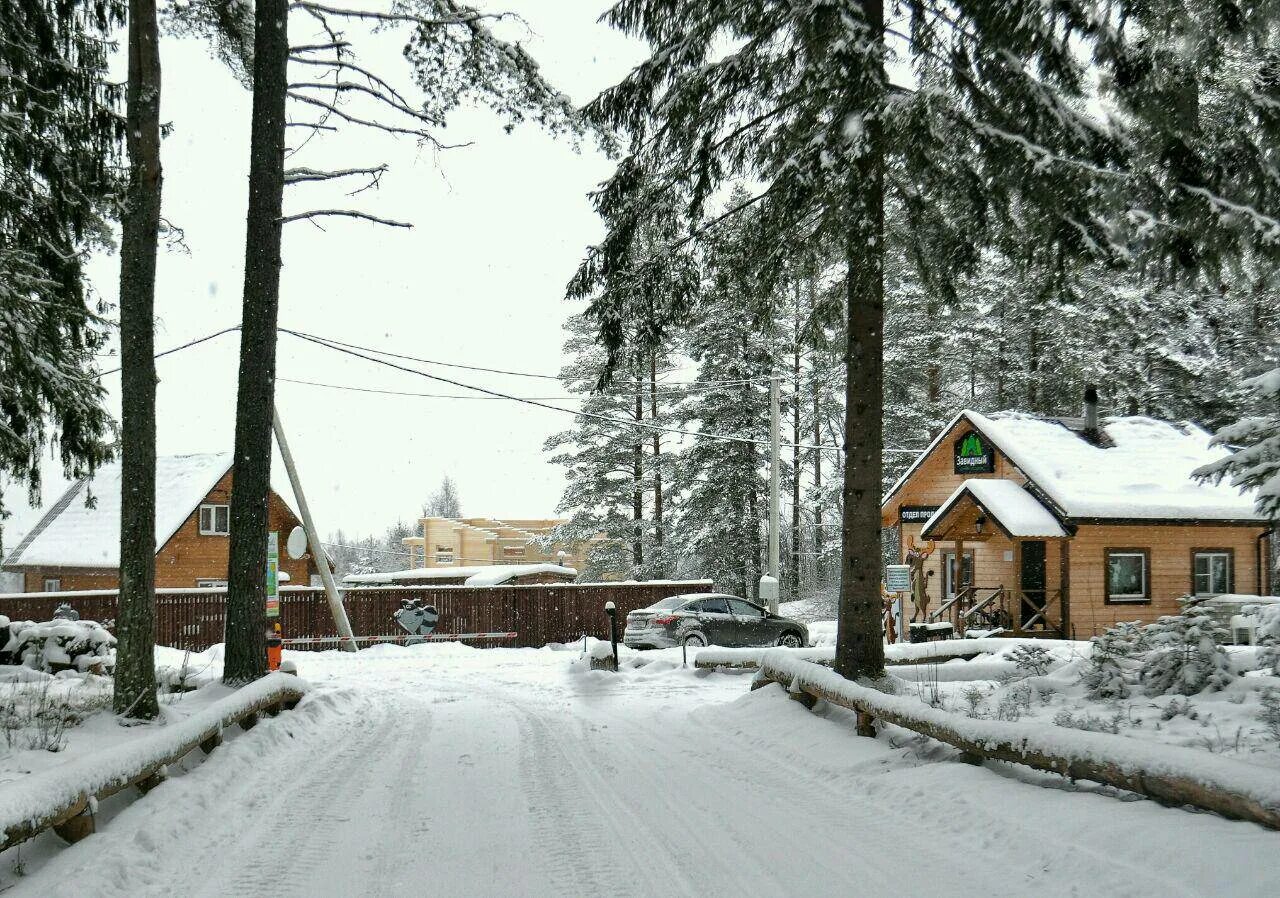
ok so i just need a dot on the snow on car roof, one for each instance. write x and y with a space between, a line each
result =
75 534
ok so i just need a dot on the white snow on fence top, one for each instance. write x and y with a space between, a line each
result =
478 575
1143 470
73 535
1015 509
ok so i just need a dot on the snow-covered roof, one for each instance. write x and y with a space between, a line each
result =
1015 510
71 534
1141 470
477 575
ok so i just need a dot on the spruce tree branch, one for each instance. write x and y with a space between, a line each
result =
379 126
339 87
343 213
340 63
463 18
304 175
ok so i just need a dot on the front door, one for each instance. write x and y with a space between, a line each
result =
1032 582
949 573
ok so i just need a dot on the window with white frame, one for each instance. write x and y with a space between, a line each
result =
52 584
215 520
210 583
444 555
1128 579
1211 572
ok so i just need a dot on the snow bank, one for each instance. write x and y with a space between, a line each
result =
901 653
32 799
1154 769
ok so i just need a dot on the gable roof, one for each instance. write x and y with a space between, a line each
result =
1010 506
1141 470
73 535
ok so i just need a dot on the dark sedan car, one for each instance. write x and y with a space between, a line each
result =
709 619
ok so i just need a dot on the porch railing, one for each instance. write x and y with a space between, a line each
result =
1021 612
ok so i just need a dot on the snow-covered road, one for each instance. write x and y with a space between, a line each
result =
448 771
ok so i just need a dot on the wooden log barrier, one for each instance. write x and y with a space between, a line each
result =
1179 776
72 817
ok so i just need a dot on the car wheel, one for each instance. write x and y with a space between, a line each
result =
790 640
695 640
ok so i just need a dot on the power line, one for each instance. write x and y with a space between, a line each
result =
188 345
319 341
354 389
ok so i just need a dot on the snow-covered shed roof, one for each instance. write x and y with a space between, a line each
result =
72 534
1010 506
477 575
1140 470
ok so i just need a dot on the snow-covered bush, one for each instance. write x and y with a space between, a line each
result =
1031 660
1108 672
1270 712
1269 637
51 646
1186 654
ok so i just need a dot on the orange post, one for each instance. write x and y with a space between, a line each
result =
274 647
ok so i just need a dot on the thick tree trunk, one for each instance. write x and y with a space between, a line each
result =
135 673
859 638
658 562
246 651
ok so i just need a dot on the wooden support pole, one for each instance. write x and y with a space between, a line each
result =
149 782
214 740
77 826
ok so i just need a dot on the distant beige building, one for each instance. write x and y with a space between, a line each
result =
471 542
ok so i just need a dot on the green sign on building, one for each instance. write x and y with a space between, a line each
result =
973 455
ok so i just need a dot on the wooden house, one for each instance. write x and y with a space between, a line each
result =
1068 526
76 544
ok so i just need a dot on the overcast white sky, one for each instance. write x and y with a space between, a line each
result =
500 227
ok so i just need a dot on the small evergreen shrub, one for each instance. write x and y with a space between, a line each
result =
1109 671
1031 661
1186 654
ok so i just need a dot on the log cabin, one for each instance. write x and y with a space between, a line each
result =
76 543
1067 526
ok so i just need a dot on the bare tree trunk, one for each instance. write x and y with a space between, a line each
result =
637 470
246 650
659 563
135 674
795 451
859 637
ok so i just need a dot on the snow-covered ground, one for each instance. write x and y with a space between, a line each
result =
445 770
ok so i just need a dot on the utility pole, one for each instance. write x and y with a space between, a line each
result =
769 582
346 639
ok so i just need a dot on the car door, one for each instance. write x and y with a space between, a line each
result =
751 625
715 620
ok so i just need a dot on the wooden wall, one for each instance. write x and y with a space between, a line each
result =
188 556
1170 568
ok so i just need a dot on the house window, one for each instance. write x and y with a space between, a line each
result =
1128 577
513 551
215 520
52 584
444 554
210 583
1211 572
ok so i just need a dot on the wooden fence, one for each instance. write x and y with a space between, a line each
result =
193 619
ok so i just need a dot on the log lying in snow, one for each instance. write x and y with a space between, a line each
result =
63 797
1167 773
898 654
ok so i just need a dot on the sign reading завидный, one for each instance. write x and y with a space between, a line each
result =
974 455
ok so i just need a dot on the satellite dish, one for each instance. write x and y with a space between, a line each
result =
296 546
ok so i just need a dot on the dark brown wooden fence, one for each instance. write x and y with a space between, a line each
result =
537 614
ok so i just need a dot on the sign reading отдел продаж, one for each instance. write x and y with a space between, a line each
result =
915 514
974 454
